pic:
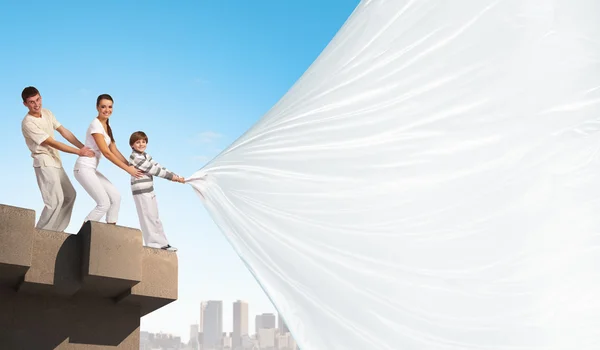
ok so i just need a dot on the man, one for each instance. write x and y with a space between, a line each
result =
57 191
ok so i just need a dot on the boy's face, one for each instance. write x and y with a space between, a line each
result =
139 145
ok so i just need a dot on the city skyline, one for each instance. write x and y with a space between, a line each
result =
228 327
215 309
212 310
270 330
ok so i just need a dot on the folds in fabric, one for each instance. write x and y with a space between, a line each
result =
431 182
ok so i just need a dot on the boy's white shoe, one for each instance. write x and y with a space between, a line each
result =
169 248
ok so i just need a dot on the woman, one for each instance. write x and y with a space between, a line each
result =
99 138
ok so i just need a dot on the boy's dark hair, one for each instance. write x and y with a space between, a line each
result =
138 135
28 92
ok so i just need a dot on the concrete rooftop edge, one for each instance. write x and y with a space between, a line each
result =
101 260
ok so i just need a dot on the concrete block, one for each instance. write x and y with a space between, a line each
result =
82 323
55 267
84 291
159 285
16 241
111 258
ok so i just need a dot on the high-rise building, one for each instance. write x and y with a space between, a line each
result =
211 321
264 321
283 328
240 323
194 331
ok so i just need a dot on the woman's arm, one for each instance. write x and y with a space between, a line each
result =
99 138
113 149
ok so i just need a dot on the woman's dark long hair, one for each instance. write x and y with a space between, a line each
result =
106 97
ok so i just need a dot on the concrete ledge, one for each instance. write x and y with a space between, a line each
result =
55 265
111 258
84 291
159 281
16 238
47 322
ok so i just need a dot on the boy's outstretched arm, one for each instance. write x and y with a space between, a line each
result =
149 166
175 177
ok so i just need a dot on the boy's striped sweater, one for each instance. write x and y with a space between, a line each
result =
144 162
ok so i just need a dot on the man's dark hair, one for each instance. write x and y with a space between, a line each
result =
28 92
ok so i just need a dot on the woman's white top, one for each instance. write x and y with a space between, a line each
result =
92 162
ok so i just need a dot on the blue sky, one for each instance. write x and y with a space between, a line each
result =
194 75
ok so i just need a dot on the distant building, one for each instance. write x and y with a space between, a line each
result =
226 341
266 338
283 328
211 322
285 342
240 323
266 321
249 343
194 332
153 341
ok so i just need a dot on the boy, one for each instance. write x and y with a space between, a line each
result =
143 192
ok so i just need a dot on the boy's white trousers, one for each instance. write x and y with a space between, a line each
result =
152 228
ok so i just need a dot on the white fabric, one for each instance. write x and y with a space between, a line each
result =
430 182
150 224
58 195
106 195
37 130
92 162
